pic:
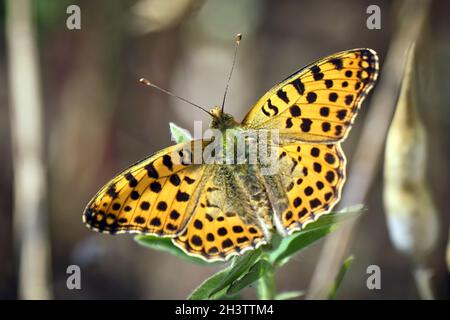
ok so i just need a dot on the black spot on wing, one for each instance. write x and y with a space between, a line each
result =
315 69
282 95
311 97
299 86
333 96
306 125
341 114
348 99
112 191
317 74
182 196
337 62
132 182
175 179
167 161
289 123
272 107
189 180
151 171
295 111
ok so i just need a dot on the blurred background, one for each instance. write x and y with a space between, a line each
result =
72 114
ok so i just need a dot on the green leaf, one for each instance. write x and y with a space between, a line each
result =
166 244
203 291
312 232
340 276
288 295
255 272
179 135
215 286
239 266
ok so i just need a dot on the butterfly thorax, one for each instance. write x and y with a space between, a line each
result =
222 120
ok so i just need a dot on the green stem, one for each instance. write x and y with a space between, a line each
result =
266 286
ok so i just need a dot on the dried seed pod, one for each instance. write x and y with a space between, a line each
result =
411 213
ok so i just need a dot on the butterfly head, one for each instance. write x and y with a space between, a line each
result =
221 120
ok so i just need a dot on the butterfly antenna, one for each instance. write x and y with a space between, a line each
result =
150 84
238 39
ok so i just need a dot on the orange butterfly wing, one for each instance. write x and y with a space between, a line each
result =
155 196
313 111
319 102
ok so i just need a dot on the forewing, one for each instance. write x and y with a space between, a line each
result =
319 102
154 196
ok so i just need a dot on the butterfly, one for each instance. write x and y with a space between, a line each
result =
216 211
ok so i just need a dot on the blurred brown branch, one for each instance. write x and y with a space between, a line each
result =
411 18
30 214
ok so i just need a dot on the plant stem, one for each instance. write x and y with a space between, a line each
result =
266 286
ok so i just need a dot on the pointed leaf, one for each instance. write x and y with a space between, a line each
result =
239 266
178 134
203 291
340 276
254 273
312 232
166 244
